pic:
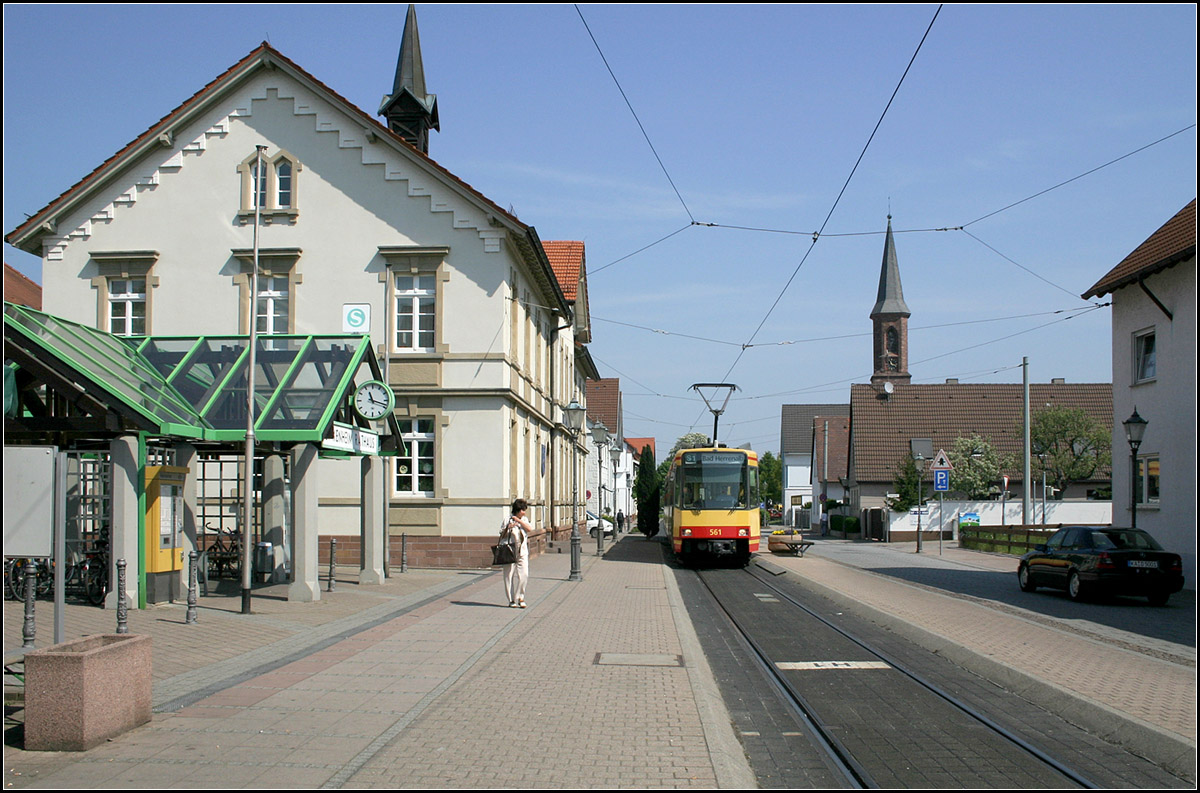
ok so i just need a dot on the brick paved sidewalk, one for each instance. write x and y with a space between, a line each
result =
407 684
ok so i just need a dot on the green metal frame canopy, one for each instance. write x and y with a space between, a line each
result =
191 387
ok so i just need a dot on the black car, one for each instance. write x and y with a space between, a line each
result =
1086 560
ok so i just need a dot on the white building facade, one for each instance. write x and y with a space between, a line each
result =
1153 293
360 232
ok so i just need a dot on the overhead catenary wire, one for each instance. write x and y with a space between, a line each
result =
841 192
635 115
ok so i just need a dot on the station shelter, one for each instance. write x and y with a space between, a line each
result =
152 434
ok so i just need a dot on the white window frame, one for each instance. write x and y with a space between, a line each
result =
276 190
115 267
411 302
267 313
418 459
1141 359
1144 478
120 323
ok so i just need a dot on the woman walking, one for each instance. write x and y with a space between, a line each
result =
517 573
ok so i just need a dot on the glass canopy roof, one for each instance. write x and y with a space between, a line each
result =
195 386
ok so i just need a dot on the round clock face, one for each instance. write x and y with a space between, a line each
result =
373 400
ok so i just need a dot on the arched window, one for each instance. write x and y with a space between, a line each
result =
893 350
273 191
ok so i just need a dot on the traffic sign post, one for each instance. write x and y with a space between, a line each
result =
941 483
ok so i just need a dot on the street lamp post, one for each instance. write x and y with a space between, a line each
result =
922 450
600 436
1135 430
615 454
575 413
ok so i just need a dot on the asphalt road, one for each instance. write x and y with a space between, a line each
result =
1174 623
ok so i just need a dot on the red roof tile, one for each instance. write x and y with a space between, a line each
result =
881 428
1174 242
566 259
604 402
638 444
21 290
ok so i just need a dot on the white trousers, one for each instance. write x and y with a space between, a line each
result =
515 577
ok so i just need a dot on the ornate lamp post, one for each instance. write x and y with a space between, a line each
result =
575 413
600 436
922 450
615 454
1135 430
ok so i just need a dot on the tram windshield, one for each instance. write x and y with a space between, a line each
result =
716 480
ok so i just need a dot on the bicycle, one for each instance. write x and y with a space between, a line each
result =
94 572
14 574
225 553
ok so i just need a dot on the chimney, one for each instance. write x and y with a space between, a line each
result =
1058 381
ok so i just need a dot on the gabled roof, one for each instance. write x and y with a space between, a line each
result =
881 428
638 444
796 431
28 235
604 402
1174 242
195 386
838 445
569 262
19 289
566 258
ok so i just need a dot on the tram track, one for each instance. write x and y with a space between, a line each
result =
879 723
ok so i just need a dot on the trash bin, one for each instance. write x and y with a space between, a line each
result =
264 561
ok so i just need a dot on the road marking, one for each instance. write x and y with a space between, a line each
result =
810 665
766 598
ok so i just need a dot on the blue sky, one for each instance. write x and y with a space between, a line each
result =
758 115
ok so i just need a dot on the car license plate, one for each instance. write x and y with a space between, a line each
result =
1143 563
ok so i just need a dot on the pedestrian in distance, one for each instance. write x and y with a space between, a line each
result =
517 574
620 521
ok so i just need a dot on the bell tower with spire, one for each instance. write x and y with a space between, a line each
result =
410 111
889 318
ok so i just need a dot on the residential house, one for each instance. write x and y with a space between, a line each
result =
604 408
1153 292
882 424
796 439
890 411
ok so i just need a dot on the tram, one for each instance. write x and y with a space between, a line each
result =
712 505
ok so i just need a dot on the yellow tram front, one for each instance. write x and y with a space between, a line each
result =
712 503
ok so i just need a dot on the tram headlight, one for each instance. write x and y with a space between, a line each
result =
687 532
743 532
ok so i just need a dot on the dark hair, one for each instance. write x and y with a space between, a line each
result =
519 505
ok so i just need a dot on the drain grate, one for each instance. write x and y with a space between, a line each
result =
637 659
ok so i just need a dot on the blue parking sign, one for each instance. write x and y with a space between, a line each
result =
941 480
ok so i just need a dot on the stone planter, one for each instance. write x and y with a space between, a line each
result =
83 692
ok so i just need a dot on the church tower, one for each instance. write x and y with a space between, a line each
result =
889 318
410 112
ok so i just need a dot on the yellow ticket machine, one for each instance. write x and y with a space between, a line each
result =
164 531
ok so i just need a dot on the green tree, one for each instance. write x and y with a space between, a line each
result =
647 489
770 478
977 467
1069 445
906 485
693 440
